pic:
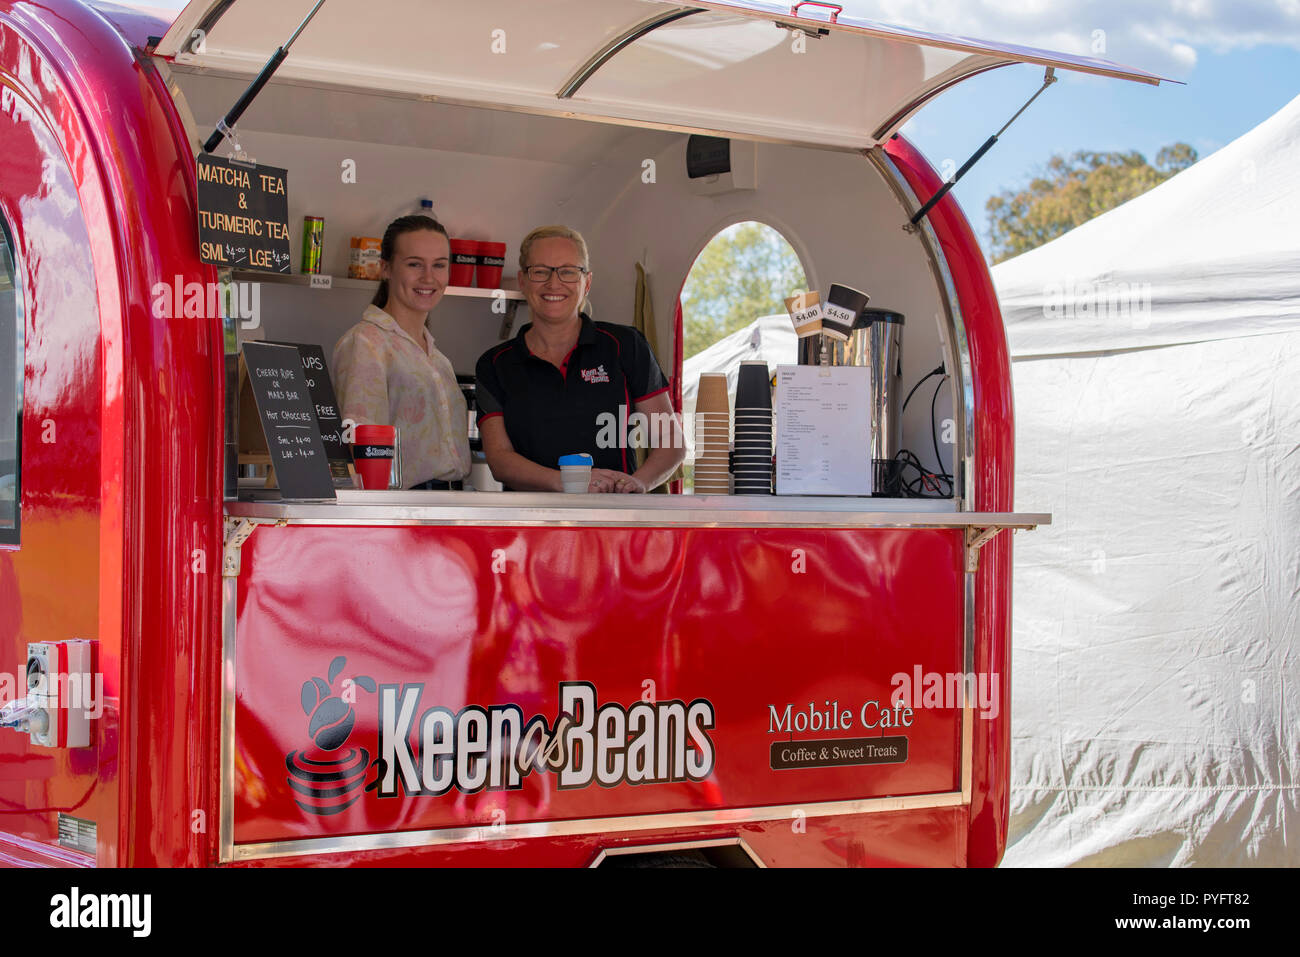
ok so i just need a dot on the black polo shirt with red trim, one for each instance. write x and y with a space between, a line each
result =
551 412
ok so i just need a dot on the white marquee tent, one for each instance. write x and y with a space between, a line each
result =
770 338
1156 664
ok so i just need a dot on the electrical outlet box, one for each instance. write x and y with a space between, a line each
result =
60 680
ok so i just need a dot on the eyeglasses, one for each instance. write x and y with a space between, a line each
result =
540 274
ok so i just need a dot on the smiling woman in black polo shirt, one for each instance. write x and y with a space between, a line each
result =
555 388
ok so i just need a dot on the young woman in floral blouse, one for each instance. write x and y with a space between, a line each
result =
388 369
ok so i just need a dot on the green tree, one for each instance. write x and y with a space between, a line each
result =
745 271
1072 190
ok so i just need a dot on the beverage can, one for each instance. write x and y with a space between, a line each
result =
313 244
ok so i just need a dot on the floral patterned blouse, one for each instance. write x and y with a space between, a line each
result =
385 377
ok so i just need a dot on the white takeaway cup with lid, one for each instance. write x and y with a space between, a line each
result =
575 472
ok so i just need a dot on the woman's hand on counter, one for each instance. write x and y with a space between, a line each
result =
629 484
605 480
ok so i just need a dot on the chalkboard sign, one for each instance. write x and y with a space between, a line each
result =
284 405
243 215
328 417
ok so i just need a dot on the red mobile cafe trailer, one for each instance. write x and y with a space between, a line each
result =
200 675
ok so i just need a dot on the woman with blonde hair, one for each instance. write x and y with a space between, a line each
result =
566 384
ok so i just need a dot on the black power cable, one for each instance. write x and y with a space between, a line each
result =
933 372
925 484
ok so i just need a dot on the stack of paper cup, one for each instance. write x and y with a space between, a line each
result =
575 472
753 455
712 435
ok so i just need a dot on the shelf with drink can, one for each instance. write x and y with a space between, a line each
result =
326 281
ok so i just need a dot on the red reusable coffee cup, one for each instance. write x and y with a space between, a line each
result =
373 450
491 260
464 257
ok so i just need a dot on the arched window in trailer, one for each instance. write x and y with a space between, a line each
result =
743 273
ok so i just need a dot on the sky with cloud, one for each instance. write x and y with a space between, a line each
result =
1165 35
1239 61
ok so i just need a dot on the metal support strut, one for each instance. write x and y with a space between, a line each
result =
977 538
237 532
1048 80
227 122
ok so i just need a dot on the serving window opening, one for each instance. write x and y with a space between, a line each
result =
758 240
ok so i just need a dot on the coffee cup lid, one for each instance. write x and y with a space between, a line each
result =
577 458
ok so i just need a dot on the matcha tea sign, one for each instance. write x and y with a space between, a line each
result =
243 215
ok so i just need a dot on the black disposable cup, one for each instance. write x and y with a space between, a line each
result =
753 388
841 309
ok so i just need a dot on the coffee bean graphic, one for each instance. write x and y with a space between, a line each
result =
329 786
331 723
330 719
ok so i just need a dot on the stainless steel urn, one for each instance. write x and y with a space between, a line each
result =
877 341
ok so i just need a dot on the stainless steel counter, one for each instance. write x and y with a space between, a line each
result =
667 511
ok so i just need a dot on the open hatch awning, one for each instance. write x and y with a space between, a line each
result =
750 70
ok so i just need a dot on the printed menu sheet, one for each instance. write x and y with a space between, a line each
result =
823 430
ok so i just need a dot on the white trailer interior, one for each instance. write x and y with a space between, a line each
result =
495 175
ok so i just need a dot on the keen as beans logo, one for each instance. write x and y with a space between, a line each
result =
325 783
429 751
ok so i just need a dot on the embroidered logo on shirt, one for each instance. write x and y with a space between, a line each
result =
597 374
